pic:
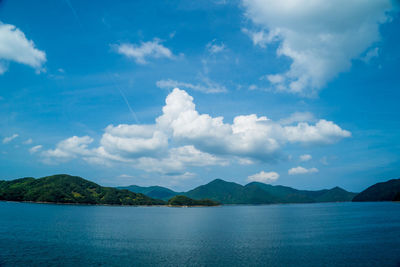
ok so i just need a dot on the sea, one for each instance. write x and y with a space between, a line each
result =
323 234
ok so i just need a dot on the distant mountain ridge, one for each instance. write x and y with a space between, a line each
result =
158 192
384 191
64 188
253 193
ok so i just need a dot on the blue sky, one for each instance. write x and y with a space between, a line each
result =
298 93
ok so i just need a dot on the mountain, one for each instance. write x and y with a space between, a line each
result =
260 193
158 192
230 193
180 200
385 191
64 188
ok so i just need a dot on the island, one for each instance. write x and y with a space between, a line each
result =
184 201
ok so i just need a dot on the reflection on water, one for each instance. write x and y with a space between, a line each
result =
331 234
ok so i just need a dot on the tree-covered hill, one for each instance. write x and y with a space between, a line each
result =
260 193
385 191
69 189
180 200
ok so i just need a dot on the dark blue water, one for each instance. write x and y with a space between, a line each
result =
333 234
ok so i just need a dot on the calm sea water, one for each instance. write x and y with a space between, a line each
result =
333 234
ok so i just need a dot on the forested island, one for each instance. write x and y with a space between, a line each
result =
186 201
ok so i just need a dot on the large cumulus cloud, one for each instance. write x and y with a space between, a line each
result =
182 137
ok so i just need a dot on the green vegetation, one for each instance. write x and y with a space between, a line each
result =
386 191
185 201
69 189
158 192
259 193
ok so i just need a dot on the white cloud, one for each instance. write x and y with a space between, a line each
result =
35 149
140 53
324 132
260 38
208 86
215 48
248 136
70 148
320 37
302 170
298 117
133 140
177 160
263 177
305 157
182 137
8 139
14 46
28 141
372 53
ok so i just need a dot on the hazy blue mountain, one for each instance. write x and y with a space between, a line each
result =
385 191
158 192
64 188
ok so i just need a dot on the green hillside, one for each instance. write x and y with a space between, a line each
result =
230 193
385 191
69 189
259 193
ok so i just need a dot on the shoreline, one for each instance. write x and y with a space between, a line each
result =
174 206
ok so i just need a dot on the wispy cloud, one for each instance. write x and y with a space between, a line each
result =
145 50
207 86
302 170
215 48
8 139
305 157
35 149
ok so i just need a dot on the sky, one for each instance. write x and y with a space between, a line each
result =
178 93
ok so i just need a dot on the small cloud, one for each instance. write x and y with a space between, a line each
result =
215 48
253 87
208 86
28 141
263 177
324 160
125 176
7 140
35 149
302 170
305 157
372 53
182 176
140 53
60 70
